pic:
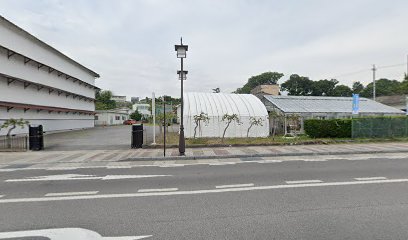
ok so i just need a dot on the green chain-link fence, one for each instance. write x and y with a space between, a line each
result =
380 127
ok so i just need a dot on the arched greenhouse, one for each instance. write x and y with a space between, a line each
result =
246 107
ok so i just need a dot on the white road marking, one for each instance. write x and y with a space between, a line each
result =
171 165
61 168
194 192
314 160
158 190
370 178
64 177
70 193
235 185
304 181
65 234
222 163
118 167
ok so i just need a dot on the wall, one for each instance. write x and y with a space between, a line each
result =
27 45
50 121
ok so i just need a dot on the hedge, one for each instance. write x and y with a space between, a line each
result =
331 128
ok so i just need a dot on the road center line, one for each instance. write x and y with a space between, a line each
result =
157 190
235 185
370 178
70 193
304 181
194 192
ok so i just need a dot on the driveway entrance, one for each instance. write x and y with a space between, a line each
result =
98 138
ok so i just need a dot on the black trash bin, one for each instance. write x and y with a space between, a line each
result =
137 136
36 137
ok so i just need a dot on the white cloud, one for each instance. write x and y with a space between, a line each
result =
130 43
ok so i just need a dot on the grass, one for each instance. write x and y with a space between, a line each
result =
173 138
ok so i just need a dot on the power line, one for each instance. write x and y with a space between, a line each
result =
368 70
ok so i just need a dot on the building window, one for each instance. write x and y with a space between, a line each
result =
123 118
117 117
96 118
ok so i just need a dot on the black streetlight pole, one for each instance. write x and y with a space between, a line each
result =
182 53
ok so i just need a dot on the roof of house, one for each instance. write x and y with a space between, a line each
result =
218 104
311 104
32 37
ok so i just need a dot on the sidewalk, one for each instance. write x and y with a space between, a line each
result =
103 156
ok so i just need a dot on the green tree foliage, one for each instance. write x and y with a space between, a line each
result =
136 115
264 78
253 121
357 87
298 86
202 117
229 118
342 91
169 119
324 87
12 124
384 87
103 100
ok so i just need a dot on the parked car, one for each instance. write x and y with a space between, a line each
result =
129 122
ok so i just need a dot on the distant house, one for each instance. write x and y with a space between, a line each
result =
323 108
142 108
267 89
111 117
119 98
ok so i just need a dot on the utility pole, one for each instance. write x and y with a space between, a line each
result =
154 117
374 69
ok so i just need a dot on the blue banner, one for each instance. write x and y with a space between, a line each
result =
356 107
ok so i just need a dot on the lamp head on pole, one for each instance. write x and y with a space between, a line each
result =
184 74
181 50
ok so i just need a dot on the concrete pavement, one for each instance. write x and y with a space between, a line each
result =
319 197
144 156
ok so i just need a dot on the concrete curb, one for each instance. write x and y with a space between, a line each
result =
260 155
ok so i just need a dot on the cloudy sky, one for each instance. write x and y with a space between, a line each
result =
131 43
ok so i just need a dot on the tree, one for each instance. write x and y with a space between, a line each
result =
253 121
323 87
264 78
276 118
216 90
298 86
12 124
342 91
160 119
229 119
358 87
202 117
384 87
103 100
136 115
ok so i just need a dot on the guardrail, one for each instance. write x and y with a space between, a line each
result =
13 143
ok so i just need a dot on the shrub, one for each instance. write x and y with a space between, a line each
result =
331 128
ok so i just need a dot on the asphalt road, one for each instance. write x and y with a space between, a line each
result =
336 199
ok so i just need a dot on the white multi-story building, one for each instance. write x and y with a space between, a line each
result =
42 85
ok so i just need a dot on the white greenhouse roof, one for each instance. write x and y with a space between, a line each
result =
311 104
218 104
